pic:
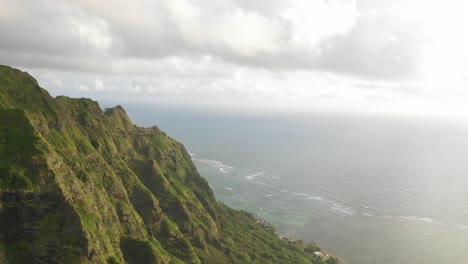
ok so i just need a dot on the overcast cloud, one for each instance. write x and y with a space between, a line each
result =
371 55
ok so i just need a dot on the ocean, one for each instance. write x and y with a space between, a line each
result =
370 190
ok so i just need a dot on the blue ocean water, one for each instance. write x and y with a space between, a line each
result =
371 190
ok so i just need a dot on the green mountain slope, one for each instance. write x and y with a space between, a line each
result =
83 185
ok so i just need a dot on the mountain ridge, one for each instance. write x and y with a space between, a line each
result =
79 184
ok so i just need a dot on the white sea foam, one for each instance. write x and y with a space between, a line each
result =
315 198
229 188
308 196
223 168
253 175
376 216
417 219
369 215
342 209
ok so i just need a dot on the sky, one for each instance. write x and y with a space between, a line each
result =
404 57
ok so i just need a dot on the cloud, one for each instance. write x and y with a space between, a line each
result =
302 53
371 39
84 35
380 46
82 87
98 84
51 28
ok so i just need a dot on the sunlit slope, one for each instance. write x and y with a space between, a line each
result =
83 185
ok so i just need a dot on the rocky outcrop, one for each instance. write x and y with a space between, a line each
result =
79 184
41 228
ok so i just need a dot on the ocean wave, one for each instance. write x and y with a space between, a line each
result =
308 196
223 168
318 198
253 175
342 209
376 216
417 219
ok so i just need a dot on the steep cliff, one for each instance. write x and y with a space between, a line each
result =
83 185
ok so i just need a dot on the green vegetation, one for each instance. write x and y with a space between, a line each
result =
83 185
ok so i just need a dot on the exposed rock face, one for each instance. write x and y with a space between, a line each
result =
83 185
26 216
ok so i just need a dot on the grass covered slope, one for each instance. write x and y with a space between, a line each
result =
83 185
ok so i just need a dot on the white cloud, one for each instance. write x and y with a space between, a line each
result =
315 21
91 31
247 33
98 84
82 87
302 54
86 32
